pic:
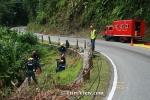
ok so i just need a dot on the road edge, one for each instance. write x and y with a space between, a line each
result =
115 78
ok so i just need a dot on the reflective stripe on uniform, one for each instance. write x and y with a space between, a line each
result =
30 64
93 34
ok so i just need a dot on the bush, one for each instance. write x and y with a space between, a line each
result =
29 38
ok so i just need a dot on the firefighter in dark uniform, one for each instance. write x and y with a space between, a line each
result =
30 67
62 49
36 58
61 63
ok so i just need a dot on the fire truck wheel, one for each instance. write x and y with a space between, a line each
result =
116 39
122 40
107 38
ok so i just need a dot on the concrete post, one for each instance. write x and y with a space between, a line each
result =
42 38
84 44
87 62
77 46
58 41
49 39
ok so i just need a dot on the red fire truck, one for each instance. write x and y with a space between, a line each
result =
124 30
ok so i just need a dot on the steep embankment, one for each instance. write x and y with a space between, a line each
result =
51 84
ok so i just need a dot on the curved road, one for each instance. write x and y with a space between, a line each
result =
132 65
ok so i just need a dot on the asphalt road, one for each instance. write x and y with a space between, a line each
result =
132 65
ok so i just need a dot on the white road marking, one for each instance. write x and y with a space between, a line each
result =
111 94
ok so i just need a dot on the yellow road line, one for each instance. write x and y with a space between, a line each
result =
120 85
142 45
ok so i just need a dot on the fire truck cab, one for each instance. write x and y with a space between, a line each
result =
124 30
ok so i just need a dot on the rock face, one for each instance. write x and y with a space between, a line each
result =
25 83
23 86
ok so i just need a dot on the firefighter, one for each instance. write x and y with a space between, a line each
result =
93 37
61 63
62 49
30 73
36 60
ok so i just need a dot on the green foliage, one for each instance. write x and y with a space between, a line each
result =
41 17
28 37
73 14
12 12
8 57
15 49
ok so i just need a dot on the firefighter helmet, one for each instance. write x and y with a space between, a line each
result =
91 27
62 44
30 59
34 52
62 55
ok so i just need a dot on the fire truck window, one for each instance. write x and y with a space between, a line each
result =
116 26
121 26
127 25
110 28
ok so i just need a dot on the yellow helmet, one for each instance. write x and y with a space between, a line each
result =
30 59
62 44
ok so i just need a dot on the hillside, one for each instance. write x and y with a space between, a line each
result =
71 16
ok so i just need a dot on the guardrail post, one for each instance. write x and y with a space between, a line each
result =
18 31
76 46
49 39
58 41
84 44
67 44
42 38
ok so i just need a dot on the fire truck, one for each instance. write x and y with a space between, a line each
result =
124 30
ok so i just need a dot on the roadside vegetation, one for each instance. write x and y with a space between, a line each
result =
99 79
52 85
16 48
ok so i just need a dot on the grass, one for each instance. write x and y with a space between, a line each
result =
69 75
37 27
99 61
65 76
49 77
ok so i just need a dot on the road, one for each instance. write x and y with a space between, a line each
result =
132 66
